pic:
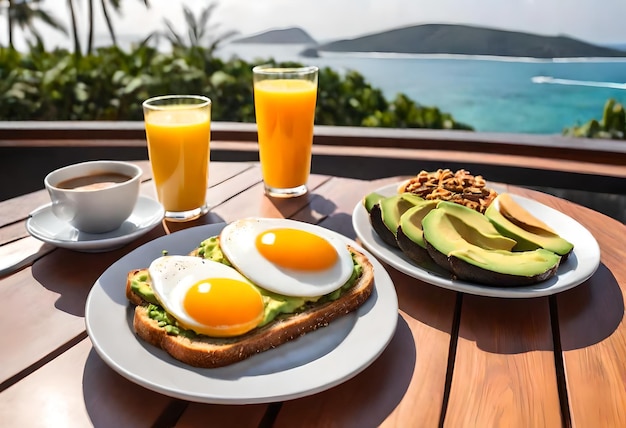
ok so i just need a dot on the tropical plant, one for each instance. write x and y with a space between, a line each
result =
75 37
611 126
105 4
350 93
199 32
111 84
24 14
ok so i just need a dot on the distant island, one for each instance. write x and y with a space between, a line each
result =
286 35
469 40
445 39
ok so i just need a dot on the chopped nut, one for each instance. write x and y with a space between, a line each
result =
460 187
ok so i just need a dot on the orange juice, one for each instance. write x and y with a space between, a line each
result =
285 111
178 148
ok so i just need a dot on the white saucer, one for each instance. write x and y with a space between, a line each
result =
45 226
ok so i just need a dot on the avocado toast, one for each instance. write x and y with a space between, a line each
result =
285 318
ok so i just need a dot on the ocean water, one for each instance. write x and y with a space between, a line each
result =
519 95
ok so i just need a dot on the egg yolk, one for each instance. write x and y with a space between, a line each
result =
224 307
296 249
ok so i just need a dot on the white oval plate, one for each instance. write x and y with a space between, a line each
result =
45 226
310 364
578 267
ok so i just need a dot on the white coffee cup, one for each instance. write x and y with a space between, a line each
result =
94 196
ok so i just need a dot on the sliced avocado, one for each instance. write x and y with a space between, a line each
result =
409 235
141 285
210 249
275 306
479 230
447 243
518 215
371 199
385 215
527 239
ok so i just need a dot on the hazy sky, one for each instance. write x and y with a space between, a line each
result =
596 21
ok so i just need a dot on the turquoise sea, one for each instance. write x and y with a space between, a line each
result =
491 94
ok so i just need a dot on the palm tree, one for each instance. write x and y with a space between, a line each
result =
116 5
91 26
70 5
199 33
25 13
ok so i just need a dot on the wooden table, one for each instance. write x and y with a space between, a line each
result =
456 360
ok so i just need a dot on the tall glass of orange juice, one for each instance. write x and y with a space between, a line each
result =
284 101
178 130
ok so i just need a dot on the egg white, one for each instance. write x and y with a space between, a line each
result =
237 242
172 276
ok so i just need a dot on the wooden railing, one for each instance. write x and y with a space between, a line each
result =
28 150
132 134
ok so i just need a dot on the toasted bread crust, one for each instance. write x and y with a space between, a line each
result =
210 352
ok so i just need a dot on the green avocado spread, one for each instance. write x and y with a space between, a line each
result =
275 304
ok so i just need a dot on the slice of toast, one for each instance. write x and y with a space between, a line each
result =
210 352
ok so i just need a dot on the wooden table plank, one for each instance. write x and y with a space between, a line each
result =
593 331
222 171
17 209
251 200
504 372
48 303
38 326
78 389
593 340
20 253
405 385
203 415
591 325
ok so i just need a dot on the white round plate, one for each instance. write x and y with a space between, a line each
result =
578 267
314 362
45 226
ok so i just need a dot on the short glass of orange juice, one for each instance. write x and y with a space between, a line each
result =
284 102
178 130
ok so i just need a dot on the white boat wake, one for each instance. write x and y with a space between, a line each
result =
555 81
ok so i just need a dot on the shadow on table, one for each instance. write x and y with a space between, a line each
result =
379 389
112 400
582 316
309 207
208 218
591 312
71 274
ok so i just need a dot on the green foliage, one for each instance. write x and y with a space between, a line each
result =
111 84
612 125
199 32
25 14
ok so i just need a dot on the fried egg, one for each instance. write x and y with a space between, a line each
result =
287 257
206 296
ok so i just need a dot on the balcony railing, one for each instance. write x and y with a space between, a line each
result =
589 171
